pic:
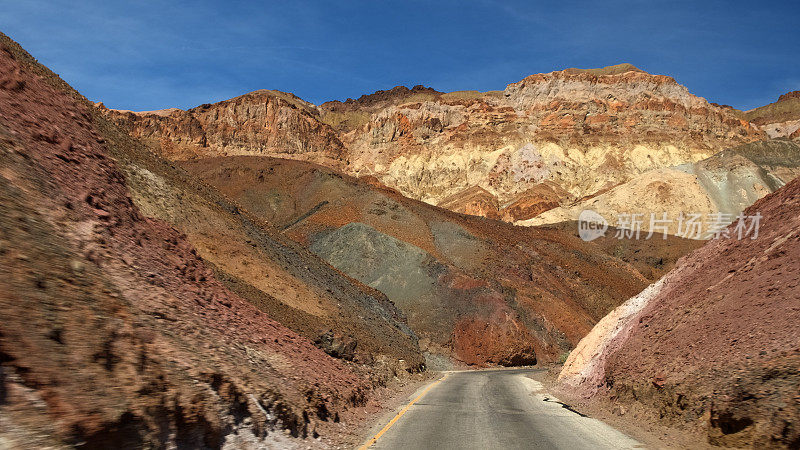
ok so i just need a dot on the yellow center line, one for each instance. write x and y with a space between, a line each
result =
400 414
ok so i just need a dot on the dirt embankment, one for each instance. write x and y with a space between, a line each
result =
714 347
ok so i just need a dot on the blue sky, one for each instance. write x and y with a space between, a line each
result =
148 54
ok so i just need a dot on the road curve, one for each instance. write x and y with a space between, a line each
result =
501 409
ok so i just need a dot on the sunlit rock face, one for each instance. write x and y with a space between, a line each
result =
581 130
578 132
259 123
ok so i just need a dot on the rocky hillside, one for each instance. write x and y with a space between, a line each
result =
119 330
542 142
581 130
712 346
254 260
779 119
481 291
261 122
725 183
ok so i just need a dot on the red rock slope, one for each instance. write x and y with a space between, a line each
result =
114 332
715 345
482 291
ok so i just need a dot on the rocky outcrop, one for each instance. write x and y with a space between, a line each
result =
259 123
477 201
582 130
381 99
498 340
645 107
474 200
711 347
789 96
536 200
789 129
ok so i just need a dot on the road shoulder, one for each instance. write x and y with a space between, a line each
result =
626 418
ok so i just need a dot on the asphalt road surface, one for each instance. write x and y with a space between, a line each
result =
493 409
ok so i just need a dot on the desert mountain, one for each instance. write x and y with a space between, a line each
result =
478 290
267 272
582 130
139 307
256 261
540 143
713 345
544 142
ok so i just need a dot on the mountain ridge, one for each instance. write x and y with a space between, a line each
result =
577 130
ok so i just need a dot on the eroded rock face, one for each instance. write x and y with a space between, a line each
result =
536 200
502 341
261 122
475 201
579 131
789 129
582 130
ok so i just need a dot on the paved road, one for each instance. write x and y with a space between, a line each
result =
495 409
